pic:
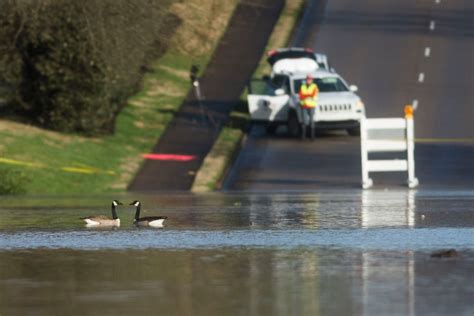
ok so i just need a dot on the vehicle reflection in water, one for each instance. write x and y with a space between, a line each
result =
360 252
283 211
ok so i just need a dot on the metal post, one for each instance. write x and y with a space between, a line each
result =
193 75
197 91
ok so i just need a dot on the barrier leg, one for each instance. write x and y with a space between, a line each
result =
412 180
366 181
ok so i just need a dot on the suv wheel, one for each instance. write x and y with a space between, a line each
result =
271 128
354 131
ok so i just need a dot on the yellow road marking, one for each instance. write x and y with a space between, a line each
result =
444 140
77 170
83 170
21 163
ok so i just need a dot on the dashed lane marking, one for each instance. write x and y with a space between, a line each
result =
421 77
427 51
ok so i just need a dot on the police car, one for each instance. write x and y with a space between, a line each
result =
274 100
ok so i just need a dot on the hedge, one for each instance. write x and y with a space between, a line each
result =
70 65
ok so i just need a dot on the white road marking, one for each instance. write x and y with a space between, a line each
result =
421 77
414 104
437 1
432 25
427 51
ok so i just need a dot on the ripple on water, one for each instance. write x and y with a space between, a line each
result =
378 238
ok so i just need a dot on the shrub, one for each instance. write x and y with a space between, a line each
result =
12 181
70 65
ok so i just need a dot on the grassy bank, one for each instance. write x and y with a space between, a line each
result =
218 160
46 162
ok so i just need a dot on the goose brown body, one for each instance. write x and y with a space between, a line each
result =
102 220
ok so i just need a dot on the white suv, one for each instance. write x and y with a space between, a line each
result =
274 100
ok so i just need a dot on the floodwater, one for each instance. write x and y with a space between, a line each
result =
324 253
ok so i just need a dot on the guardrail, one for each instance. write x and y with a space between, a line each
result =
403 144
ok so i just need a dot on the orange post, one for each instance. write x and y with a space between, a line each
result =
408 111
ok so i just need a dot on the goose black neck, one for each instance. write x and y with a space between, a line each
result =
114 213
137 212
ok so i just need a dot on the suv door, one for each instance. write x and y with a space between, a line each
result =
268 99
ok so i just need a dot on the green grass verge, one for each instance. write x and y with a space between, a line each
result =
41 162
219 159
222 153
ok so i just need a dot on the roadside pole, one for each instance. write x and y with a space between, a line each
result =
193 75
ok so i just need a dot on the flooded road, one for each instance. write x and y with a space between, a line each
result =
329 252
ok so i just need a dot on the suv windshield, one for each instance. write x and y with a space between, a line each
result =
331 84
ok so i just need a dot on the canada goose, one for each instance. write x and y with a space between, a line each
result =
155 221
95 220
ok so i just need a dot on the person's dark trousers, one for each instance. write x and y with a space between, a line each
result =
308 114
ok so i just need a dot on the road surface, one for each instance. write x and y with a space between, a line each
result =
396 52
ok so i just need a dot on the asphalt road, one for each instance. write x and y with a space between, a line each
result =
395 52
188 138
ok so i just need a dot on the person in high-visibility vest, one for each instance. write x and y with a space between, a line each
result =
308 101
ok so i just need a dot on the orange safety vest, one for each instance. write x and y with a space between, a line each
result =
308 95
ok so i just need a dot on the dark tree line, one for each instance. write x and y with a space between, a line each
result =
69 65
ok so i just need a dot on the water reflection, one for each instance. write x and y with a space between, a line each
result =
361 219
318 211
355 252
223 282
389 209
283 211
400 276
175 282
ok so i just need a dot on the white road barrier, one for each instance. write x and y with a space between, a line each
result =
402 144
